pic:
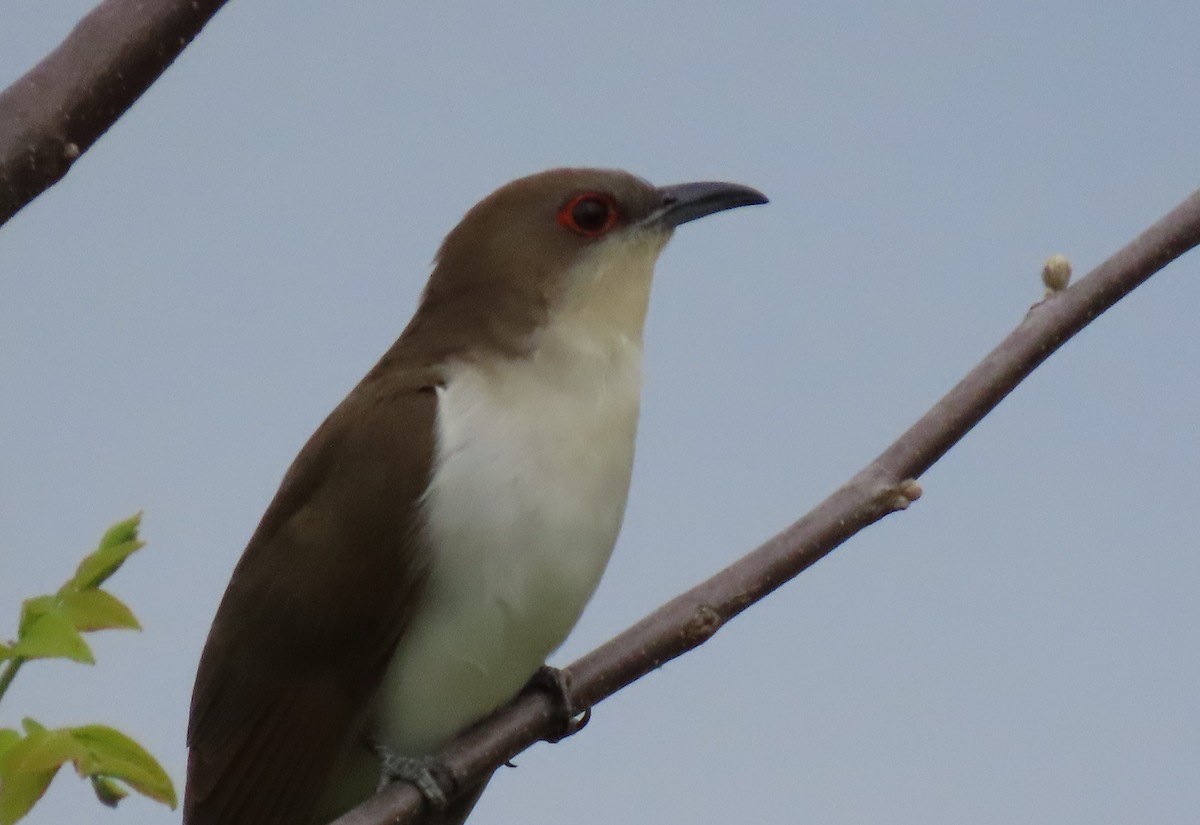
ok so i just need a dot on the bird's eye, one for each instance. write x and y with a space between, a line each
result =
590 214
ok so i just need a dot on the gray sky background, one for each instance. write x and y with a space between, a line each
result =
180 313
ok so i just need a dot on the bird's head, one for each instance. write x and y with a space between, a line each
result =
567 243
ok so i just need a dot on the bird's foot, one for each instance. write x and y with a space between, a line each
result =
557 683
428 774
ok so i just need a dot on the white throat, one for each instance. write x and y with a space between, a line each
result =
532 470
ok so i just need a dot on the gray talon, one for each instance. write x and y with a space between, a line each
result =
558 684
421 771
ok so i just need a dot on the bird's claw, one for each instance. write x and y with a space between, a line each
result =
558 684
421 771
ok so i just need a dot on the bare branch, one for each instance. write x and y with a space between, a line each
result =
60 107
882 487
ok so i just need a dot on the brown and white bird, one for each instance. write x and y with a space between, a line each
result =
439 535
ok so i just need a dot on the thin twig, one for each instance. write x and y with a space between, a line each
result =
60 107
884 486
9 672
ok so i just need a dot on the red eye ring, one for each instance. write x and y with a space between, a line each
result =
590 214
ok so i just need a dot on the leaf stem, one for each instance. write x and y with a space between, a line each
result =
9 673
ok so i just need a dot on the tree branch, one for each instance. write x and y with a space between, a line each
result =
880 488
60 107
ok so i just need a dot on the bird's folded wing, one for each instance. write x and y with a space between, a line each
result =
313 611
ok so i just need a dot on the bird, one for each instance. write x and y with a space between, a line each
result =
440 533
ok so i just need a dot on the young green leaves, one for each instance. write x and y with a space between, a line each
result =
52 627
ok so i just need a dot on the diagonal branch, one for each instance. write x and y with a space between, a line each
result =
60 107
880 488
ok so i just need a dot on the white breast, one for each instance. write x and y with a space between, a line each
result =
532 472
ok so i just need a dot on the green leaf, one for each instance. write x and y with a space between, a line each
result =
116 756
19 792
28 765
118 543
43 749
6 652
8 738
107 757
97 610
32 725
108 791
32 610
53 636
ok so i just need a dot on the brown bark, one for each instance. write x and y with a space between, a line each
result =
60 107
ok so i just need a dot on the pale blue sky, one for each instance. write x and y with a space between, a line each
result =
1020 647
